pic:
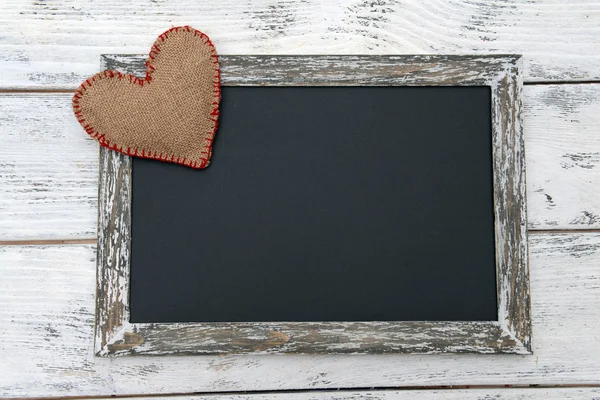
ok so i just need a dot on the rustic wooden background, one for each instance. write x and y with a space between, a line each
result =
49 172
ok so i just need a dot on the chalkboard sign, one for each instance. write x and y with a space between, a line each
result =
323 204
353 204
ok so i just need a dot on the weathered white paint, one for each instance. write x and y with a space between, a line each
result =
56 44
49 166
562 145
46 336
46 293
454 394
48 170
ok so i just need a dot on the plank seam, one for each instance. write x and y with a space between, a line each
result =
507 387
44 242
91 240
71 91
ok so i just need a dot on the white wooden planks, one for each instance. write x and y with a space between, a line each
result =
46 293
454 394
46 312
49 166
48 170
57 44
562 148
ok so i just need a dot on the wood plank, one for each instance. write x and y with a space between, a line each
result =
442 394
46 332
48 172
562 145
57 44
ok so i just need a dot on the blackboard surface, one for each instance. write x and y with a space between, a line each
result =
323 204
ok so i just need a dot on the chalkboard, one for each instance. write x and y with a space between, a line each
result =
353 204
324 204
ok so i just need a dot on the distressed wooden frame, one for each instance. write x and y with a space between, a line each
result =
511 333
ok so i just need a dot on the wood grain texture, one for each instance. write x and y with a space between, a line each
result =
114 236
562 131
443 394
511 333
57 44
48 170
46 336
48 167
329 70
510 205
46 293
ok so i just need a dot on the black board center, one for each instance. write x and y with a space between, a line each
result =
323 204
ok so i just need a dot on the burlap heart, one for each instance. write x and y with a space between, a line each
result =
170 115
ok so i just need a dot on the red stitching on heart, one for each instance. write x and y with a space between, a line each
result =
214 113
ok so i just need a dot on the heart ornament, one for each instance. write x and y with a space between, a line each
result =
171 115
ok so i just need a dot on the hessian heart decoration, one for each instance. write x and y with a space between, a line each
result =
170 115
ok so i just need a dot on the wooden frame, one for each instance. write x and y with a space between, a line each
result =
511 333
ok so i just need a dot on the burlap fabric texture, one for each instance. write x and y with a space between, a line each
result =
171 115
